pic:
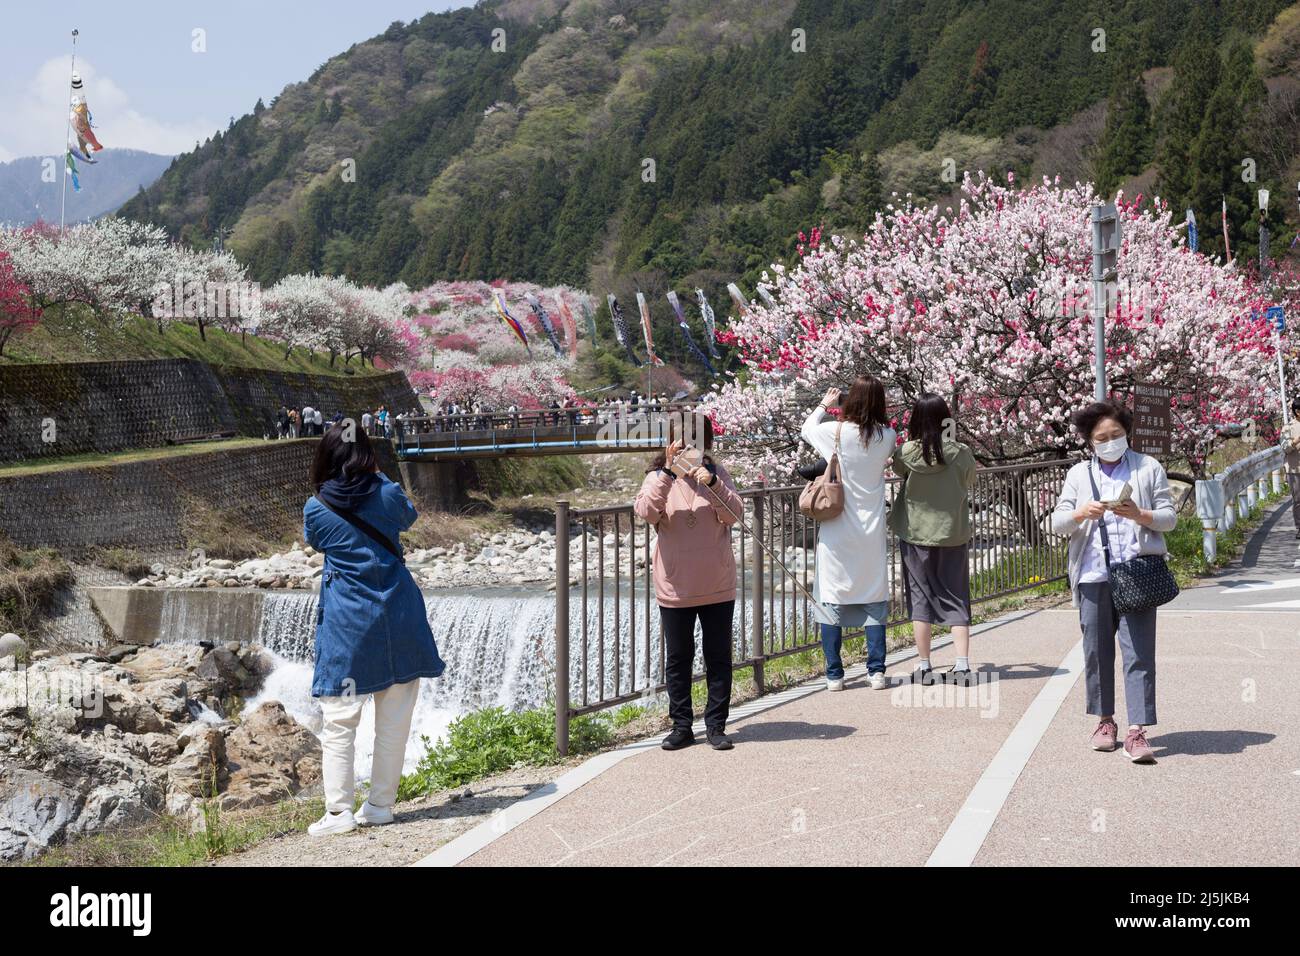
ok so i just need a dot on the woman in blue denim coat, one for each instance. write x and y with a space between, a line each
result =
372 635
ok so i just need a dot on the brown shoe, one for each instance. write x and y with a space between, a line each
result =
1105 736
1137 748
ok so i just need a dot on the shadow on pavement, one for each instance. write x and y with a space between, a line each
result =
1250 556
790 730
1200 743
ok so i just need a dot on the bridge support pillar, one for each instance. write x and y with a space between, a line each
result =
439 485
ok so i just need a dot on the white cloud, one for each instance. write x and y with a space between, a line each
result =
29 123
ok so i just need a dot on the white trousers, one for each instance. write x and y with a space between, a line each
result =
393 709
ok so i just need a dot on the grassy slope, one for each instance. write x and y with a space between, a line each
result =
70 336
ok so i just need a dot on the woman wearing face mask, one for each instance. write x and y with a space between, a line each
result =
1135 527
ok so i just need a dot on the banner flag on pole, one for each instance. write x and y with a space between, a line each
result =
710 323
644 307
510 321
620 329
1191 230
686 333
1227 246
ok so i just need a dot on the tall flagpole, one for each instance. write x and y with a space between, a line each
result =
67 128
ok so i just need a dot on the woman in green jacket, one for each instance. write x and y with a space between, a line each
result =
931 517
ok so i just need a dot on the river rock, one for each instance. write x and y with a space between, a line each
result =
271 757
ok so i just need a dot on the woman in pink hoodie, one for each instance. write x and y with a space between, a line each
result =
695 576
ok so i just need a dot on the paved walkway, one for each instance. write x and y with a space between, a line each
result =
1000 774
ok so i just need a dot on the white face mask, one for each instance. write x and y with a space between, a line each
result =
1112 450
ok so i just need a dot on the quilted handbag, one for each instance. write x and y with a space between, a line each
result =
1137 584
823 497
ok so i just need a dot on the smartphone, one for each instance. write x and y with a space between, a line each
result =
1125 494
687 460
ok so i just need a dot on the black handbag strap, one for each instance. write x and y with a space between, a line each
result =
366 528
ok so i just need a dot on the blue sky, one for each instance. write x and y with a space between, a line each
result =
147 87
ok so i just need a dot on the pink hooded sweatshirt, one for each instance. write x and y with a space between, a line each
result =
693 563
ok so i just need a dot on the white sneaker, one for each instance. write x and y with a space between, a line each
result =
879 681
372 816
333 823
835 683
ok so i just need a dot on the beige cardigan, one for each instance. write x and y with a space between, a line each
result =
1150 491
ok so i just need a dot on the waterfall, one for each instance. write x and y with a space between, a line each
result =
499 647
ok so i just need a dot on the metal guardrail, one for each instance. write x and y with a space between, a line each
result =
1231 494
607 646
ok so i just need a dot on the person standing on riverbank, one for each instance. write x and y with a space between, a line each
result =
692 504
372 634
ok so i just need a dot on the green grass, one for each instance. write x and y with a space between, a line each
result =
74 335
170 841
493 740
1186 552
34 466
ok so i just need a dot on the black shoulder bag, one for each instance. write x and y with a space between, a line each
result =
366 528
1137 584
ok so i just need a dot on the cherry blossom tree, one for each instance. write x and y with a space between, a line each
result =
989 304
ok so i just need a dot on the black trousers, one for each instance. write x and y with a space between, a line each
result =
678 626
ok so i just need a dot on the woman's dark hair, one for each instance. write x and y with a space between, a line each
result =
864 406
698 431
930 416
1086 419
338 458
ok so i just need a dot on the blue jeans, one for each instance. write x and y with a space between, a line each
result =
833 638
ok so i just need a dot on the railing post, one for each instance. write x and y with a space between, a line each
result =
1209 508
757 643
1277 481
562 628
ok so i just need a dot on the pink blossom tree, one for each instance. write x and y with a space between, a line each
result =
17 311
989 305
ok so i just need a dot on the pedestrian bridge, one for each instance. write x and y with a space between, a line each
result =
567 431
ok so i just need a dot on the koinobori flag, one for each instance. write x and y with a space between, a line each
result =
644 308
510 321
710 323
620 329
686 332
738 298
545 322
570 326
590 318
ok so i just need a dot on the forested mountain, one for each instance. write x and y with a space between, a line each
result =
674 143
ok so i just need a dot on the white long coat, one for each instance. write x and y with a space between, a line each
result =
852 547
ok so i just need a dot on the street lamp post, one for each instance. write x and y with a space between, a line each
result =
1264 283
1105 255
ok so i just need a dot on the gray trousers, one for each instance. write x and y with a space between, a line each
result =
1137 644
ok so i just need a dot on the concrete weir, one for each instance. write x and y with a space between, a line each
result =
139 615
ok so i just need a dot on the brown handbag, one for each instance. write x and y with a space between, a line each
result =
823 497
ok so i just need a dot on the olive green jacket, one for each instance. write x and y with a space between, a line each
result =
932 508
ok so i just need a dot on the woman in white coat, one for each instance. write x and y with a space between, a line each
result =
852 547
